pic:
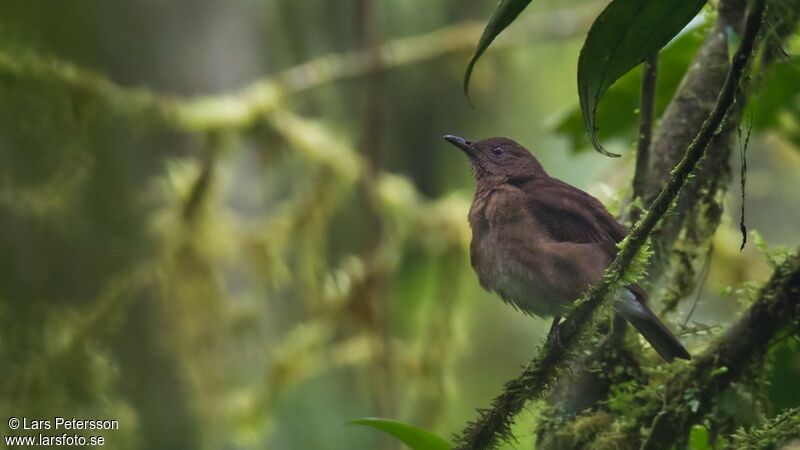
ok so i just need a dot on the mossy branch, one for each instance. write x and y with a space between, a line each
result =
722 363
773 433
699 210
494 423
245 107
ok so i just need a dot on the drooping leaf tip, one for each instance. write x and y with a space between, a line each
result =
468 76
600 149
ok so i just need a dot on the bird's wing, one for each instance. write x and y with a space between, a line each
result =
569 214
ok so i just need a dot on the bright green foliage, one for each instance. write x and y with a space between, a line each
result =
638 268
699 438
772 434
416 438
775 256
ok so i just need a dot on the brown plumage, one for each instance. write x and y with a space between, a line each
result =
539 242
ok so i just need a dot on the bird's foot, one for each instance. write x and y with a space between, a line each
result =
553 337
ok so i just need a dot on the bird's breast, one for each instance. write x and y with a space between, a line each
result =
504 251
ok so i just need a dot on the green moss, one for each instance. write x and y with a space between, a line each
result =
772 434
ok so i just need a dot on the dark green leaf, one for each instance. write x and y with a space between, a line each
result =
623 36
505 13
416 438
618 110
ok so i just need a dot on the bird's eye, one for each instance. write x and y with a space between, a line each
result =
497 151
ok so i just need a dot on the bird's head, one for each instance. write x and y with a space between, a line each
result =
498 158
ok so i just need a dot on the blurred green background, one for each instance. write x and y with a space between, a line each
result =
258 281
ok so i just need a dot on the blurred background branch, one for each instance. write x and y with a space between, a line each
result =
242 109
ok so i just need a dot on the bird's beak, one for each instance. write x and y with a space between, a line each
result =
463 144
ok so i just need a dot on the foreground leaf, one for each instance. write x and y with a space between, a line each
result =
624 35
699 438
618 112
504 14
414 437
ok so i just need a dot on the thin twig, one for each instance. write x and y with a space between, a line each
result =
701 284
743 177
647 108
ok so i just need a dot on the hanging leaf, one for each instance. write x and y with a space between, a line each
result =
414 437
699 438
622 37
504 14
618 112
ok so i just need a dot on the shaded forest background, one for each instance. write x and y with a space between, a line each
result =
235 224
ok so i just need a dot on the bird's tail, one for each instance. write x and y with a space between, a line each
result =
632 307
